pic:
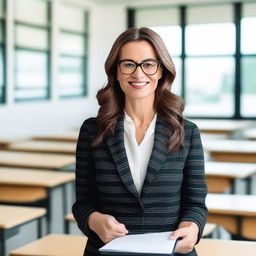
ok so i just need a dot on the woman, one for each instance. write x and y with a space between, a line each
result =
140 165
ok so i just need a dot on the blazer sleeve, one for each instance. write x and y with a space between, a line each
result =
194 188
86 193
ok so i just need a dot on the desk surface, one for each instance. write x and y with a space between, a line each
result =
33 177
44 146
57 245
229 169
250 134
12 216
35 160
231 146
70 136
4 142
232 204
220 126
218 247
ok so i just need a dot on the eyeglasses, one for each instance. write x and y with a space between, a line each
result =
128 67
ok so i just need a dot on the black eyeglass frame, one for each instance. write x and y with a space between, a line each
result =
139 65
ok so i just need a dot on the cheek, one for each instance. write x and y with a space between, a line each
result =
119 76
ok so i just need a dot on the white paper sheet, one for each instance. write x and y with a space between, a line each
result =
153 243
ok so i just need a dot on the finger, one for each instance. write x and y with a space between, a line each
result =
122 226
119 227
181 232
115 234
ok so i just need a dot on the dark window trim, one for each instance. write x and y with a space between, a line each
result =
3 46
30 25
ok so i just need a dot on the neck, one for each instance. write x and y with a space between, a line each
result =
141 112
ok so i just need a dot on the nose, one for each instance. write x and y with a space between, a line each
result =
138 72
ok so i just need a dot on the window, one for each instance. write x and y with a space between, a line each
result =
2 50
214 51
72 52
32 50
248 60
166 23
209 66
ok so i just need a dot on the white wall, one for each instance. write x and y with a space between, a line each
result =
31 118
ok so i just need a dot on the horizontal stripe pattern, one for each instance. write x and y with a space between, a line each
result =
174 189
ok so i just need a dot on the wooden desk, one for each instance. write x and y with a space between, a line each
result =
217 126
250 134
221 176
35 160
217 247
55 187
44 146
231 150
237 213
12 220
5 142
70 136
57 245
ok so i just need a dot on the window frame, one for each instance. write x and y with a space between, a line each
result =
240 57
3 46
47 52
83 58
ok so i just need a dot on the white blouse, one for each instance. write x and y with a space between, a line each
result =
138 155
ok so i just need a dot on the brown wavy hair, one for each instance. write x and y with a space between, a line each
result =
111 98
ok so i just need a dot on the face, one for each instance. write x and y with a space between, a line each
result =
138 85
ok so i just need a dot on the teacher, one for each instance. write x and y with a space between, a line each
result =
139 163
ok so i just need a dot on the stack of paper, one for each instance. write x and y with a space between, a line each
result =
153 243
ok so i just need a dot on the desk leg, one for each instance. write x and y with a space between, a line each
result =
248 182
40 227
233 186
55 210
68 198
2 241
239 226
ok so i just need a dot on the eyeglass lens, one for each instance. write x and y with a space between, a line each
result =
148 67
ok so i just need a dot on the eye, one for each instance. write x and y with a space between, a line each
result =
128 64
149 64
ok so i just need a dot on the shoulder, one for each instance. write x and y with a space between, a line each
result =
89 126
191 131
190 126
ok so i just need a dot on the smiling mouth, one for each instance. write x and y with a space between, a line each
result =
138 84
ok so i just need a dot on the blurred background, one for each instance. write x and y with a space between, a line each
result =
52 56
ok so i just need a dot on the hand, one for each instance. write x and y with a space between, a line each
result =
188 231
106 226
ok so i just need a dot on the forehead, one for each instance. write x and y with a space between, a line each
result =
138 51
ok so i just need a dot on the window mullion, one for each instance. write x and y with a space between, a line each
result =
237 87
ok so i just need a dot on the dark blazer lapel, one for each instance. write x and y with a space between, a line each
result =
159 152
117 149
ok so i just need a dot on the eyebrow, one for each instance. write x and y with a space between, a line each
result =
150 59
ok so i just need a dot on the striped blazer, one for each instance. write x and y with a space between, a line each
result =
174 189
